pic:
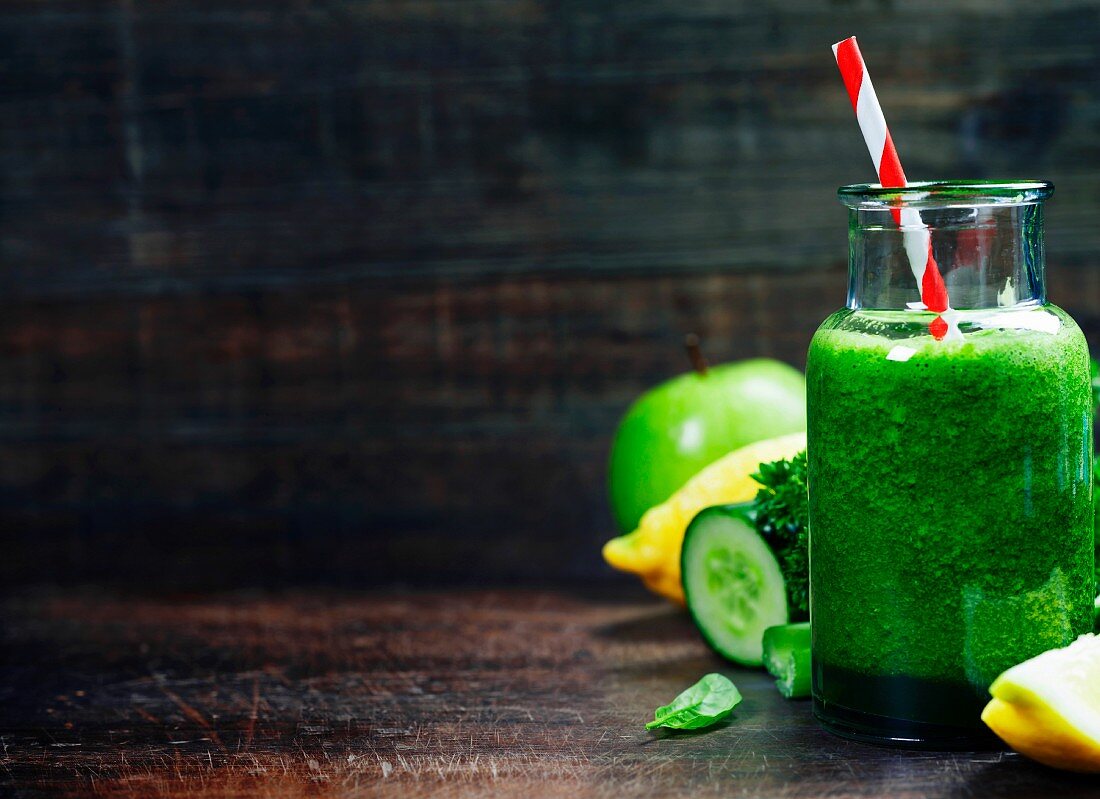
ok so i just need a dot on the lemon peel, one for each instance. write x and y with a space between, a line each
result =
652 551
1048 708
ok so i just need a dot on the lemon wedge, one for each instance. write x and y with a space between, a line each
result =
1048 708
653 550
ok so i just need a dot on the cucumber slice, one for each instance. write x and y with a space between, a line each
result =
787 658
732 582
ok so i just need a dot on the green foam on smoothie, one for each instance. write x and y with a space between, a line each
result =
950 493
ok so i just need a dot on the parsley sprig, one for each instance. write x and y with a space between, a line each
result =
782 518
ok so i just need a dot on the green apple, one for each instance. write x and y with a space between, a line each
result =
674 430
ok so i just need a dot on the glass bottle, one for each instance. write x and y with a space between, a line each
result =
950 465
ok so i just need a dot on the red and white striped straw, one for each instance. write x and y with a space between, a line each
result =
872 123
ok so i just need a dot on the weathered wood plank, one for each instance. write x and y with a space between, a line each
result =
440 694
361 288
146 149
358 435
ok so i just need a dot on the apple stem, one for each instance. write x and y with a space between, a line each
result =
695 353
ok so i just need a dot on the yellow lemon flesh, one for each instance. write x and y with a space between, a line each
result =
1048 708
653 550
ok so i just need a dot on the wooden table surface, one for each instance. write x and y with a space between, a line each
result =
466 693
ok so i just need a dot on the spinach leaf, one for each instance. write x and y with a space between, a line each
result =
707 702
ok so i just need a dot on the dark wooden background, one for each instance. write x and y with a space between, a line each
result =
355 291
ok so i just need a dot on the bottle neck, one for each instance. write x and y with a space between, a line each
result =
990 255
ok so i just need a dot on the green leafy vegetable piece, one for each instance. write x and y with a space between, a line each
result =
707 702
783 519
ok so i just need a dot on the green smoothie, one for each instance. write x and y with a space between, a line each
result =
950 508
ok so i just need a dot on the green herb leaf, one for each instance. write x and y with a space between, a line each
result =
782 519
707 702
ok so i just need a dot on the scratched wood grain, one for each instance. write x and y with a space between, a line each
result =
353 291
458 694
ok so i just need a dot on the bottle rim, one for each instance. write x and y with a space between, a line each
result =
945 194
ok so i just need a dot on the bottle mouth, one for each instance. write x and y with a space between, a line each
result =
945 194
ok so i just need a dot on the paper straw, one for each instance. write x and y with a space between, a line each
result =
872 123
